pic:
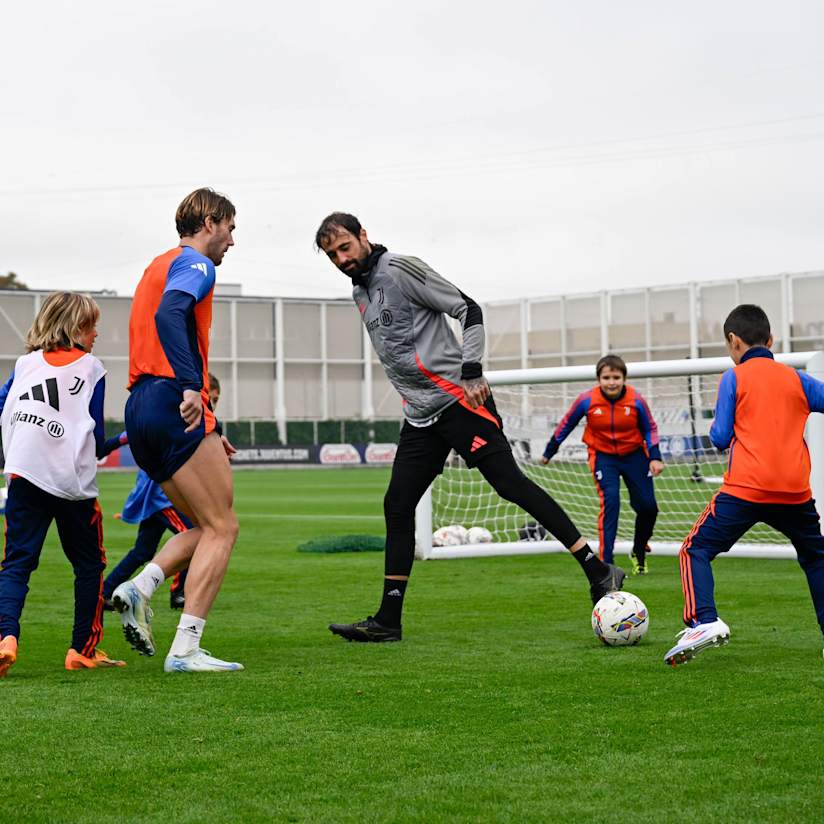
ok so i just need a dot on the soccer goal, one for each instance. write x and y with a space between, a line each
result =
681 395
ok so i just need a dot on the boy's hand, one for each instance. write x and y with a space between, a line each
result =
656 468
191 410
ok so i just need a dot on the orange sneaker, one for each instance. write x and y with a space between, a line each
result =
76 661
8 654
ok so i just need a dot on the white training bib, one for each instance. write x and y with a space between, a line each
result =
48 432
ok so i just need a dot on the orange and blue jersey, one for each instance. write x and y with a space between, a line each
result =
760 416
613 427
170 322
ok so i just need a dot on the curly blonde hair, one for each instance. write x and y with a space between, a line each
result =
63 318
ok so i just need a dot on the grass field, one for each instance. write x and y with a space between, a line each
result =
499 705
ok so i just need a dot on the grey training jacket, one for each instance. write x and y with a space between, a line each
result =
402 303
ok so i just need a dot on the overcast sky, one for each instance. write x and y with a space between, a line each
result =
520 148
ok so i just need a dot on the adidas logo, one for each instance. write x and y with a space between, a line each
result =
36 393
477 443
598 411
395 592
201 267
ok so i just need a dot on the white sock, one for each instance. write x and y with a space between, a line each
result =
187 637
149 579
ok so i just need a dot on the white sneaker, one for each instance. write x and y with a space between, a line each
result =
136 616
693 640
198 660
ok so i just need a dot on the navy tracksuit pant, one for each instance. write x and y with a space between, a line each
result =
634 469
149 533
29 514
722 523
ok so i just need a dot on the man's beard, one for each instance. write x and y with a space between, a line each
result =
355 268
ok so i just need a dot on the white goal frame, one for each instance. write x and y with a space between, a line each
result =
811 361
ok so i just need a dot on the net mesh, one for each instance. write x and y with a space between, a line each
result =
682 408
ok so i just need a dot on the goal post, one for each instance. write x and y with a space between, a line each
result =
681 395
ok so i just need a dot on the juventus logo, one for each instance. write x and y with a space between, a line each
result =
76 386
380 295
36 393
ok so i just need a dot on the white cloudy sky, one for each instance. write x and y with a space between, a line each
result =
521 148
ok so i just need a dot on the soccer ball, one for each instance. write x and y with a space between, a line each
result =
452 535
479 535
620 619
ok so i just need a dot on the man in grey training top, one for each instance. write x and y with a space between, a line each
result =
446 404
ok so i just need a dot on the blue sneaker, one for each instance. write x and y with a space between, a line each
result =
199 660
136 617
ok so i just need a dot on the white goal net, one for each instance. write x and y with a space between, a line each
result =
681 396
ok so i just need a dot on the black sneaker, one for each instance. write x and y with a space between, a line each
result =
368 630
611 582
177 600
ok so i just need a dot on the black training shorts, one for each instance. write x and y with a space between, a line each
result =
472 433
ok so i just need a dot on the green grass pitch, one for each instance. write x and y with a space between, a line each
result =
499 705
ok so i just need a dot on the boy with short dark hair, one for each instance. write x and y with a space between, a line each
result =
760 415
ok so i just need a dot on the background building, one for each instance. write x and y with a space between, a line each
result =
308 360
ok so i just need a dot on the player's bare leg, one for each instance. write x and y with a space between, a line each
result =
202 489
177 552
204 486
131 598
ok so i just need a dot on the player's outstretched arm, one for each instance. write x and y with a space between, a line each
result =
579 408
814 390
111 444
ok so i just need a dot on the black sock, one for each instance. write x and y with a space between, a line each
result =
596 570
392 604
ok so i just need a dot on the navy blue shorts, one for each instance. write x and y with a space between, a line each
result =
157 435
